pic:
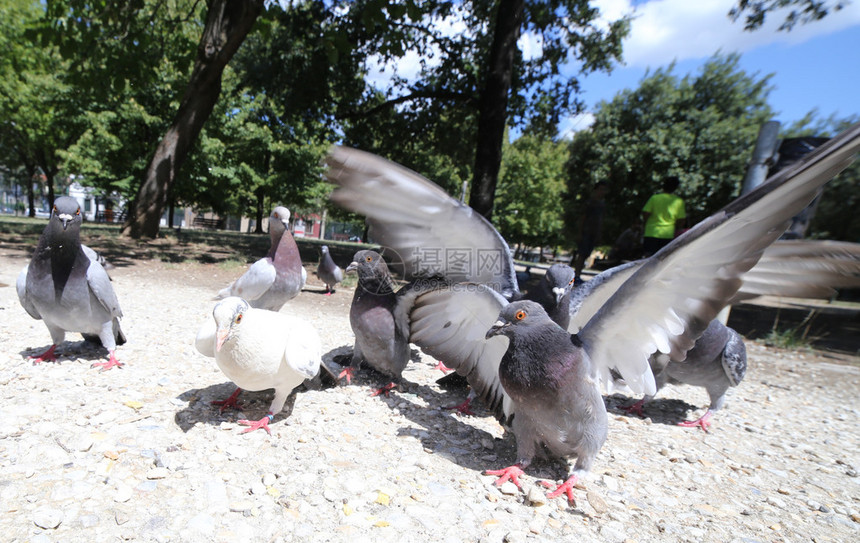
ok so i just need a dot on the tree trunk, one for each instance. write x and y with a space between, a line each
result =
31 194
258 227
493 106
227 24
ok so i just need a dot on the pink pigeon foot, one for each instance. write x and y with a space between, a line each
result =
328 293
257 424
463 408
635 408
111 363
442 367
701 421
230 402
47 356
384 390
565 488
347 372
510 473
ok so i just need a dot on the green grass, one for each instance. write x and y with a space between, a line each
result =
791 338
228 249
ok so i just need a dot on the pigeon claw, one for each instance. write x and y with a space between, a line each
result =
47 356
384 390
510 473
565 488
231 402
464 408
257 424
635 408
347 372
442 367
112 362
701 422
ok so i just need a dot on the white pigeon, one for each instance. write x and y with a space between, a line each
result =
276 278
65 286
260 349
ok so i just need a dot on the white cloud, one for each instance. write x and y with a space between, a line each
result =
571 125
667 30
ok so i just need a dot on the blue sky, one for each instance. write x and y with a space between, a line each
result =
815 66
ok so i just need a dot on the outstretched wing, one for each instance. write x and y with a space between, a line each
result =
450 323
432 233
803 269
669 301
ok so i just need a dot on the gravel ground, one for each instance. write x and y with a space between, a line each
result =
139 454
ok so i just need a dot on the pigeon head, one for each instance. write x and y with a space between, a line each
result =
373 275
559 278
368 264
324 249
279 220
66 211
518 317
228 314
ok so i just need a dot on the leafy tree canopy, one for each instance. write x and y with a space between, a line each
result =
700 128
754 12
531 195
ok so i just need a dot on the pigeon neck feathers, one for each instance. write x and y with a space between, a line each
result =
532 365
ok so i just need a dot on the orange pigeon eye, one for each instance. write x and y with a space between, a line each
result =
570 282
238 318
368 258
78 212
520 315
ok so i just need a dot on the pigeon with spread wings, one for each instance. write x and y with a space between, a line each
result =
664 305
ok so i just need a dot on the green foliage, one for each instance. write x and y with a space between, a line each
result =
39 108
701 129
420 121
754 12
530 197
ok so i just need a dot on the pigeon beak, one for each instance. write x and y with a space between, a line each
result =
66 218
497 328
352 267
220 337
559 293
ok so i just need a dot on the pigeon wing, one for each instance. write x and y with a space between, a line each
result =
100 285
432 233
21 287
254 282
451 323
673 296
302 351
803 269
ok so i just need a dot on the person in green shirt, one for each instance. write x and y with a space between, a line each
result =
664 215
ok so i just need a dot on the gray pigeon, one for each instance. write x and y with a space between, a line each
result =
379 319
277 278
557 404
328 272
553 293
717 362
260 349
665 303
65 286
